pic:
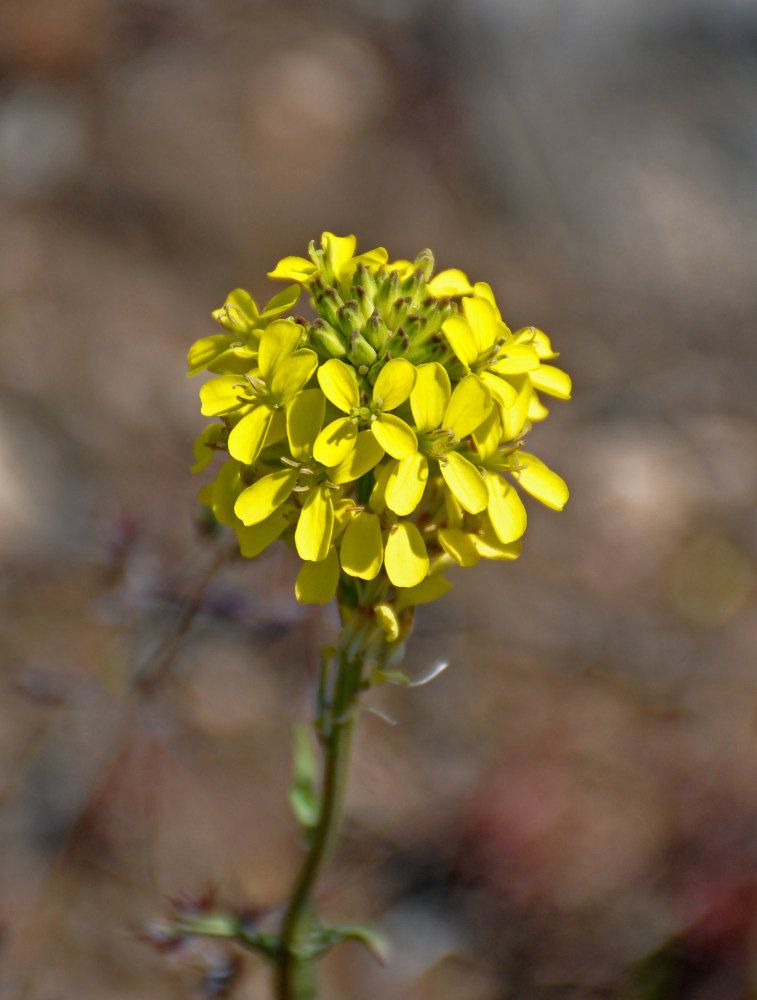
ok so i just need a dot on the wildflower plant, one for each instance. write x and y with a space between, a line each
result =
382 439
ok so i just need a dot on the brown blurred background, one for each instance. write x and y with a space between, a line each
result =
572 806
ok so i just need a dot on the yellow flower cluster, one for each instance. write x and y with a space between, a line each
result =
381 438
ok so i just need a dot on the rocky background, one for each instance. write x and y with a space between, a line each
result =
571 809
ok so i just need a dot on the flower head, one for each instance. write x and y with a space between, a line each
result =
382 438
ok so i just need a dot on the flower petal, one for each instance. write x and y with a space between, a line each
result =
406 559
541 482
236 361
394 435
294 268
488 546
281 301
256 537
462 339
514 359
335 441
536 409
459 544
489 433
430 396
339 250
453 512
372 258
505 509
484 291
404 268
304 420
483 320
203 449
514 417
221 395
394 383
207 349
465 481
265 496
339 382
362 548
500 388
343 514
552 380
539 339
226 489
291 373
450 282
277 430
247 437
278 341
406 483
377 499
315 525
238 314
468 407
317 581
366 453
428 590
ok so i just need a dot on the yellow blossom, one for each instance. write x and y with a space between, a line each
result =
382 440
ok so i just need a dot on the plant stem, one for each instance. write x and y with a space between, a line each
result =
295 975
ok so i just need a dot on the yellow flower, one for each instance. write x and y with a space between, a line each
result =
282 372
336 261
236 350
484 345
383 440
392 387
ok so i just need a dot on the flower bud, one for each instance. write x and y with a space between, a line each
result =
425 261
376 331
348 317
361 353
387 619
388 292
326 340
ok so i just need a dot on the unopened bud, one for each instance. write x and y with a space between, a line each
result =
425 261
327 341
361 352
387 619
348 317
398 311
398 344
376 331
364 288
388 292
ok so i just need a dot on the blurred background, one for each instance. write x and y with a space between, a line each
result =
571 809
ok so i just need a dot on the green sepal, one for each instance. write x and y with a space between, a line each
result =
392 676
302 794
327 937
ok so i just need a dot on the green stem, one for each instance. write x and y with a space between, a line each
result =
295 976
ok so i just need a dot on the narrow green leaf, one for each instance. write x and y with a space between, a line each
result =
302 795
